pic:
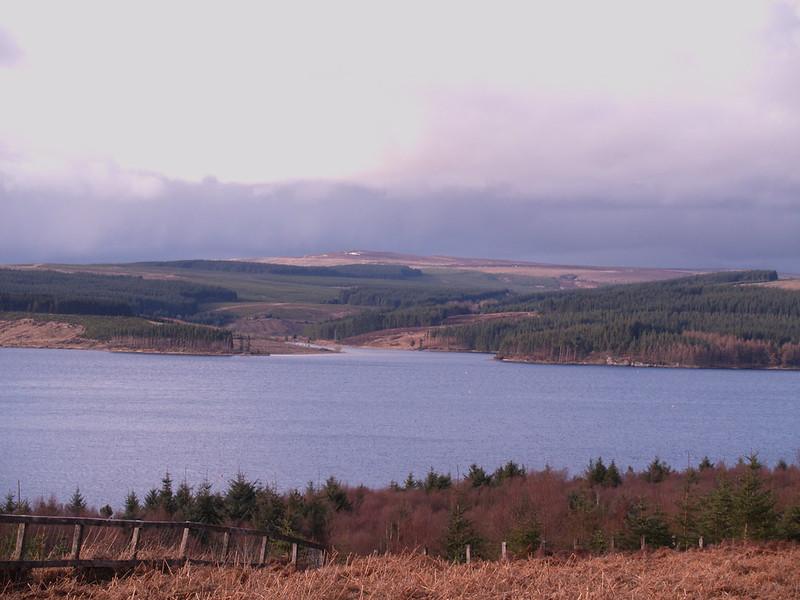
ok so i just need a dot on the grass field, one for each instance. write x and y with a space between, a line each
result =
743 571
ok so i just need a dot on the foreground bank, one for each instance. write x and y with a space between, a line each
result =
741 571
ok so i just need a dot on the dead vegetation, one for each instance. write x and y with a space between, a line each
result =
742 571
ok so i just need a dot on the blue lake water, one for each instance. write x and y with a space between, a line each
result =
113 422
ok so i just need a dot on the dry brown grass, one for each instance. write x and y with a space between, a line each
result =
725 572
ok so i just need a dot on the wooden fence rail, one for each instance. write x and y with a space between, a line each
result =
137 528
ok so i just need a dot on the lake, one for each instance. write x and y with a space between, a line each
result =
114 422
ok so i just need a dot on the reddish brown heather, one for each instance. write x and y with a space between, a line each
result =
764 572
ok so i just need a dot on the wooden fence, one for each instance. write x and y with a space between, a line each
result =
137 532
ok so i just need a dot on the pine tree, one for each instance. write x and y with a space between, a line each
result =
460 533
106 511
166 498
208 506
240 498
133 509
657 471
10 505
336 495
478 477
77 504
270 509
612 477
754 506
717 513
509 470
596 472
790 523
151 500
641 520
184 500
525 535
410 483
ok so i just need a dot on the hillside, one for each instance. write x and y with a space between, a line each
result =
519 310
732 572
730 319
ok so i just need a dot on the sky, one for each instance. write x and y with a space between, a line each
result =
627 132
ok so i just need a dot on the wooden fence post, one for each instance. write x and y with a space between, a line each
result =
700 542
424 551
226 542
183 553
611 548
262 553
503 551
642 543
22 535
135 542
469 553
77 541
294 554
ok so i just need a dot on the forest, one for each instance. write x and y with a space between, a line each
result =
40 291
706 321
719 320
545 511
365 271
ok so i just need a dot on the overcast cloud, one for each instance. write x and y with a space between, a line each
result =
624 132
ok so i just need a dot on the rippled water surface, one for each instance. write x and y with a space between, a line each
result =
113 422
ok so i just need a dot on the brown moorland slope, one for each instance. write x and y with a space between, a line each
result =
583 276
743 571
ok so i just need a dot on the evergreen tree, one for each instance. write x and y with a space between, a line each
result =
642 520
336 495
270 509
208 506
184 502
133 509
77 504
657 471
790 523
106 511
613 477
410 483
461 532
754 506
166 498
525 536
436 481
705 464
508 471
10 505
240 498
717 513
596 472
151 500
478 477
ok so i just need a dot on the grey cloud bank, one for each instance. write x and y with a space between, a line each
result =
624 133
213 219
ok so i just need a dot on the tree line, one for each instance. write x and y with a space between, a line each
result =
356 271
40 291
713 320
545 511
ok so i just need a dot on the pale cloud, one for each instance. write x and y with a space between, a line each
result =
579 130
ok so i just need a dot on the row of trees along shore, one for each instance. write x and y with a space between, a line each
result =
535 512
